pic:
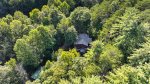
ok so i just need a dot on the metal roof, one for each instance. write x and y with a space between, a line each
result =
83 39
36 74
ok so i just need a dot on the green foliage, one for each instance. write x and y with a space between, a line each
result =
68 56
92 80
69 66
34 15
54 2
131 75
30 48
66 33
99 12
11 63
83 80
11 73
127 33
62 4
110 58
80 18
11 29
106 57
31 40
143 4
144 16
87 3
55 16
95 51
7 75
10 6
140 56
54 71
48 15
61 31
25 54
105 32
21 17
5 40
64 7
135 36
70 36
132 39
16 29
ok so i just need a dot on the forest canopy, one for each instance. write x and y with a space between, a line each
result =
75 41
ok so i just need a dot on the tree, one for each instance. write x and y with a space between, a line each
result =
11 63
6 75
7 19
42 38
128 74
53 72
140 56
127 33
99 13
10 75
49 15
132 40
64 7
141 34
80 18
54 2
104 34
144 16
71 3
6 41
55 16
70 36
66 33
90 3
44 15
16 29
62 4
92 80
110 58
21 17
95 51
142 5
25 54
61 30
30 49
10 6
68 56
83 80
34 15
12 28
106 57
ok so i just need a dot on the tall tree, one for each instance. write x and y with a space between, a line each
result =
131 75
70 36
80 18
29 50
140 56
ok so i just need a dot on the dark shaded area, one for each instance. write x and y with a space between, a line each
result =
24 6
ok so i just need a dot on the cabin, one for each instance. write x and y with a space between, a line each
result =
82 43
